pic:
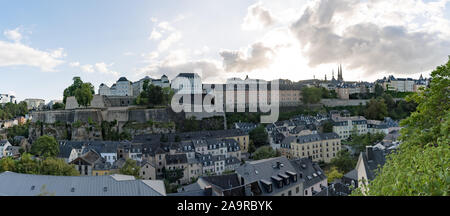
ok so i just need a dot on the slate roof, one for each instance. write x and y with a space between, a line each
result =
310 171
3 142
16 184
265 170
372 159
176 159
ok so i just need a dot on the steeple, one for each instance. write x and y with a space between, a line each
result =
325 77
340 78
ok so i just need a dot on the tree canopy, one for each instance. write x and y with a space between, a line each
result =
84 95
311 95
45 146
77 84
421 164
11 110
259 136
264 152
26 164
130 168
154 95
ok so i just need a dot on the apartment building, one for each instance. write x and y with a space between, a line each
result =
318 147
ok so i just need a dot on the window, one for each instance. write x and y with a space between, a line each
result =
297 189
306 192
289 193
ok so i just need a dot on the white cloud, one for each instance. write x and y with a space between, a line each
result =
155 35
13 35
260 56
379 37
258 17
169 41
100 67
16 54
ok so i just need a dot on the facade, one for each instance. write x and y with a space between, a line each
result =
138 86
35 104
7 98
16 184
368 163
4 144
403 84
315 179
275 177
318 147
193 85
345 126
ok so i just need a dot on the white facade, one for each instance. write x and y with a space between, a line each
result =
187 83
3 145
7 98
35 103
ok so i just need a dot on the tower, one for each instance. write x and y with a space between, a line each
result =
340 78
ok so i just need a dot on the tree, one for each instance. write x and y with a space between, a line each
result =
84 95
27 165
58 106
264 152
45 146
70 91
130 168
57 167
376 109
378 90
328 127
333 174
344 162
421 164
259 136
7 164
311 95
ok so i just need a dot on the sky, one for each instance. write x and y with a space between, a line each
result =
45 43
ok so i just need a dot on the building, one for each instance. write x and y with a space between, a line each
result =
4 144
275 177
35 104
85 164
368 163
345 126
315 180
397 84
7 98
123 87
187 84
138 86
16 184
318 147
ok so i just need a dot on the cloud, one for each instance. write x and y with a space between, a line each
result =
258 17
155 35
100 67
328 35
177 62
16 54
169 41
13 35
237 61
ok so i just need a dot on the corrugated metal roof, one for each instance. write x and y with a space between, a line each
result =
16 184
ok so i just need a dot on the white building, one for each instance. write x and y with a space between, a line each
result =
35 104
187 83
124 87
7 98
345 126
4 144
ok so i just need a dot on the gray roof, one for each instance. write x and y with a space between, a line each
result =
372 159
265 170
16 184
311 172
3 142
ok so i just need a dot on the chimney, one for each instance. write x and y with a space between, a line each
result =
208 190
369 152
278 164
248 190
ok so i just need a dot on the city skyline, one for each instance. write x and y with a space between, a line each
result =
103 40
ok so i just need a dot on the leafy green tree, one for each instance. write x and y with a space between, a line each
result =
343 161
130 168
378 90
7 164
84 95
311 95
376 109
27 165
45 146
328 127
420 167
264 152
333 174
259 136
58 106
70 91
57 167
